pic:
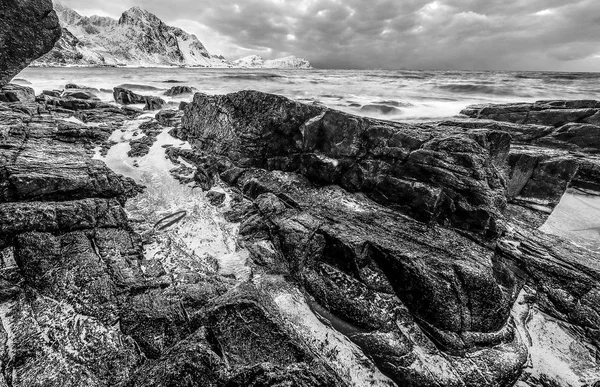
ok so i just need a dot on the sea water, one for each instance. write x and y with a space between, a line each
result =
403 95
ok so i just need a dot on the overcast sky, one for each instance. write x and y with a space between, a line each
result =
391 34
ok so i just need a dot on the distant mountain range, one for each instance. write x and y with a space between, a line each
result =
255 61
139 38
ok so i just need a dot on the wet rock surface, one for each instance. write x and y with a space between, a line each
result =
430 303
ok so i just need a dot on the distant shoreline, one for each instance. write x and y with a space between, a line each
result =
165 67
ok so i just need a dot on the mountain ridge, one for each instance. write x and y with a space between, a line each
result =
137 39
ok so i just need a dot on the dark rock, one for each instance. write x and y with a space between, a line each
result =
141 147
28 30
16 93
52 93
216 198
179 90
449 177
79 94
355 257
169 117
576 122
182 105
73 103
127 97
154 103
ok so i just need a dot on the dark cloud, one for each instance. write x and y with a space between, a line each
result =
441 34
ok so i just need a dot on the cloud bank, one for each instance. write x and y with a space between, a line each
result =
557 35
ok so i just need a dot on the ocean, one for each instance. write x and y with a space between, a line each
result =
400 95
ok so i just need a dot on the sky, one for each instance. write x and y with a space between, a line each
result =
558 35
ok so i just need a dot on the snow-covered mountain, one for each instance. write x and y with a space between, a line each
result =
138 38
289 62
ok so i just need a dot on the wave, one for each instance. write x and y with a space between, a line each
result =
470 88
252 76
393 103
380 109
21 81
133 86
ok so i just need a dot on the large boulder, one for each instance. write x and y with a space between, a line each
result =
127 97
16 93
28 30
179 90
450 177
153 103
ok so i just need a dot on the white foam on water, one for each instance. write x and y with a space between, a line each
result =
409 95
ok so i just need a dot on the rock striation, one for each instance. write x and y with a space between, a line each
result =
570 125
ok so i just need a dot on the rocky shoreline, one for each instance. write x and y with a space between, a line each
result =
277 243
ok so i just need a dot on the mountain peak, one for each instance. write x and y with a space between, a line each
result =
137 15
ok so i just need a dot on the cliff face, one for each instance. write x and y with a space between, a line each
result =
28 29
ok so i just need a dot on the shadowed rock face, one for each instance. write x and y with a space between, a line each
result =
28 30
450 178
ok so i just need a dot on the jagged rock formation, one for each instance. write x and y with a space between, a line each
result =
138 38
551 138
450 177
570 125
416 297
82 305
257 62
28 29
